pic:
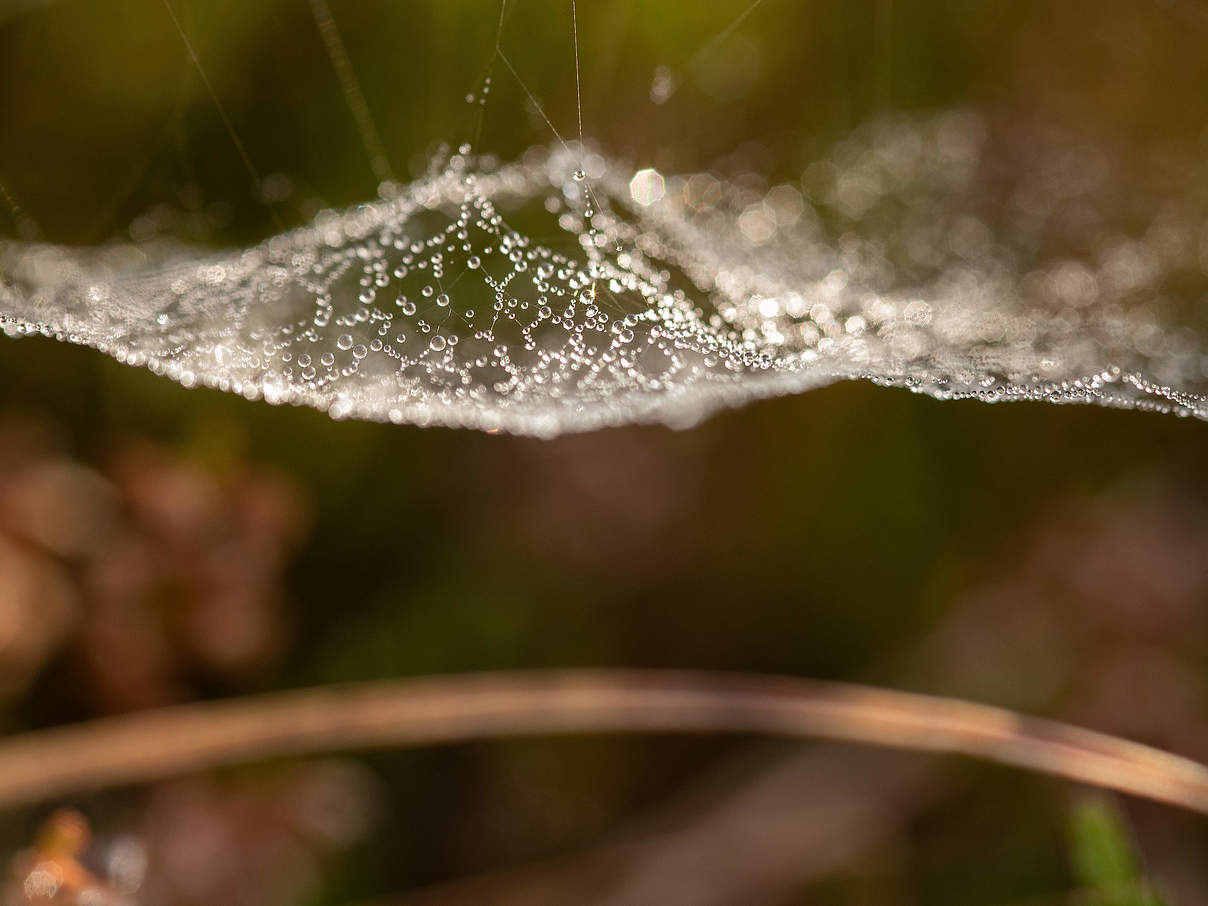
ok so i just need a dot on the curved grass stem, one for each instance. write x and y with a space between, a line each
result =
49 764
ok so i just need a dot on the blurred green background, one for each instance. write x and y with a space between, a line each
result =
1052 559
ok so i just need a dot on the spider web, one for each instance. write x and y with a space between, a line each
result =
931 254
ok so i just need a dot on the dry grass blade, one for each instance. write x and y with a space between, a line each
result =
431 711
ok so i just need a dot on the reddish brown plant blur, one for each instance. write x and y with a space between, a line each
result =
156 574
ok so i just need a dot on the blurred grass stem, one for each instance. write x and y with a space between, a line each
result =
150 745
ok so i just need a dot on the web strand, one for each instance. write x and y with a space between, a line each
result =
21 220
221 108
708 306
430 308
554 129
532 99
574 19
726 32
354 97
711 43
490 68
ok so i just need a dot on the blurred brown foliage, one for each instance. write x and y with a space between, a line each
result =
201 843
152 574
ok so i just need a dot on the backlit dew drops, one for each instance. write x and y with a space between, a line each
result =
647 187
663 298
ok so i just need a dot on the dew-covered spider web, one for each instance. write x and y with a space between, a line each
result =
567 290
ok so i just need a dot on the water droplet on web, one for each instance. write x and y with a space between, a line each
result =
663 298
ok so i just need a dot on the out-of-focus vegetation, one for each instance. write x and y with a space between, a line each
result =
161 545
1104 859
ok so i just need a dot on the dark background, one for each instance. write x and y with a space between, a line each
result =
1051 559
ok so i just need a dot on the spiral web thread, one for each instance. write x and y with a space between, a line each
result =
930 254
